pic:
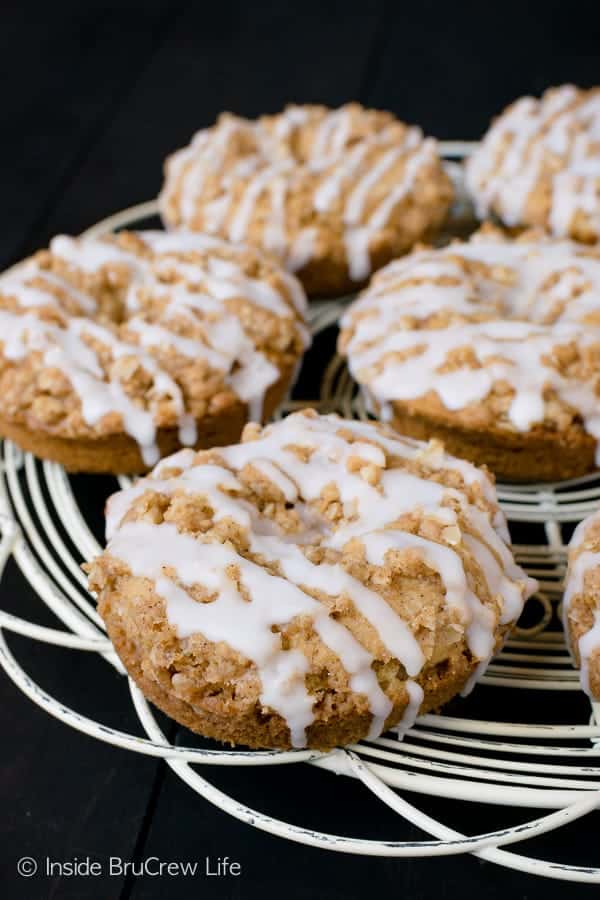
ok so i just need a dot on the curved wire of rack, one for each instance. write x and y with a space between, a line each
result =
548 767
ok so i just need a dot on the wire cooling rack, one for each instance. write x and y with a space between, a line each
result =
543 766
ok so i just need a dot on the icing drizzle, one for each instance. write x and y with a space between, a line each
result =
189 278
552 141
507 305
341 172
276 581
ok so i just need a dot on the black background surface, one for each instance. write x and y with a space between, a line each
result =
94 95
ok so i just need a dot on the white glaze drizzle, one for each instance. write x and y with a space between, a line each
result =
64 349
409 717
329 189
303 249
17 284
238 228
225 346
555 137
478 620
358 236
354 209
550 300
271 167
393 632
147 548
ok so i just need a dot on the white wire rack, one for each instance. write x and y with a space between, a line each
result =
544 766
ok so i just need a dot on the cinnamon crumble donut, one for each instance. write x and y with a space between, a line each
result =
539 164
334 193
115 351
581 602
315 584
491 345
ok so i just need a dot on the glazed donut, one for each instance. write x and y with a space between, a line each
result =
115 351
334 193
315 584
539 164
581 602
491 345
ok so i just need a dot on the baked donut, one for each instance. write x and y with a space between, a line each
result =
581 603
115 351
313 585
334 193
539 164
491 345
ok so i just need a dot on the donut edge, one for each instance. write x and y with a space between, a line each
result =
118 454
539 455
270 731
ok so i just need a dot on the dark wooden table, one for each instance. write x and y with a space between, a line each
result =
94 95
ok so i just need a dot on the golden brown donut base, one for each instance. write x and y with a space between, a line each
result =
328 277
414 217
581 620
539 455
583 606
199 675
118 454
258 731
